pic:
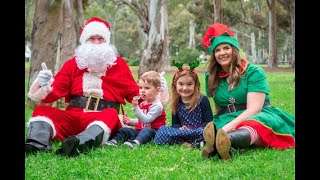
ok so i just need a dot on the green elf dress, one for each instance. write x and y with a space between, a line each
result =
275 126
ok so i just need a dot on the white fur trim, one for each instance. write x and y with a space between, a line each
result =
44 119
95 28
37 93
106 130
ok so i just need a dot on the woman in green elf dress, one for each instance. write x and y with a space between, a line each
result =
243 116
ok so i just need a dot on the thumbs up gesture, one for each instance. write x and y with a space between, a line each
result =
164 85
44 75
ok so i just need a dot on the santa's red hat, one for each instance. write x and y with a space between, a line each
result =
95 26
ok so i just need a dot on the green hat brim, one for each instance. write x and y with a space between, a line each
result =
223 39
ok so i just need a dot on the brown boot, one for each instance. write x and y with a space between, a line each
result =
225 142
209 135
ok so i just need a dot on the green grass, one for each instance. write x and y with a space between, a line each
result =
152 161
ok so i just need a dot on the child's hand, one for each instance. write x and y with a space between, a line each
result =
126 119
135 101
183 127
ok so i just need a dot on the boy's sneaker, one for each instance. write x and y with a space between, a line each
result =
112 142
198 144
130 143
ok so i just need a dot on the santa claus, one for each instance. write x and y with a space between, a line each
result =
95 82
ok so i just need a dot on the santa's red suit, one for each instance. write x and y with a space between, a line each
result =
104 80
117 85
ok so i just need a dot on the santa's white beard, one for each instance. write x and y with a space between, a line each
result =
96 57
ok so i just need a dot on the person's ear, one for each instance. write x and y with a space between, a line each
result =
158 89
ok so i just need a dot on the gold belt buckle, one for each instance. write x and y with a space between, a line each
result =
231 108
96 103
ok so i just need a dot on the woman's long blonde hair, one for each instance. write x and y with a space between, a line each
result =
173 104
215 68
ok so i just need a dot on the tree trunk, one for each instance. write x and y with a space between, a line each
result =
253 49
259 49
55 34
153 16
155 55
192 41
218 11
293 19
272 62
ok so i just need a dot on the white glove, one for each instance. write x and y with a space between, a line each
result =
164 94
164 85
44 75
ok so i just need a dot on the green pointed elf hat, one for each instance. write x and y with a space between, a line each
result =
218 34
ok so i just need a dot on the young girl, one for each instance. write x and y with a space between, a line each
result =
191 111
150 113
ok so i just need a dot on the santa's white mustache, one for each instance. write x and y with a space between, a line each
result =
95 57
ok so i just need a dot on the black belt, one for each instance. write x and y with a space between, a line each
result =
231 108
92 103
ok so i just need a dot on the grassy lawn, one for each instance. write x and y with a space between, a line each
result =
151 161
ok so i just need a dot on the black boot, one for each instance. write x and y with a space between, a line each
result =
74 145
39 137
209 134
227 142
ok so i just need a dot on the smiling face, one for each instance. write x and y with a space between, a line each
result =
223 55
185 87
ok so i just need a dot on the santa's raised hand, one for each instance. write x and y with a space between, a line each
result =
44 75
164 93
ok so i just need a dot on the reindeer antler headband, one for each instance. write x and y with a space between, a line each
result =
192 65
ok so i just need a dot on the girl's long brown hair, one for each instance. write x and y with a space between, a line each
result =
214 69
173 104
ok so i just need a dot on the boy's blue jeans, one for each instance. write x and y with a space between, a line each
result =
144 135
